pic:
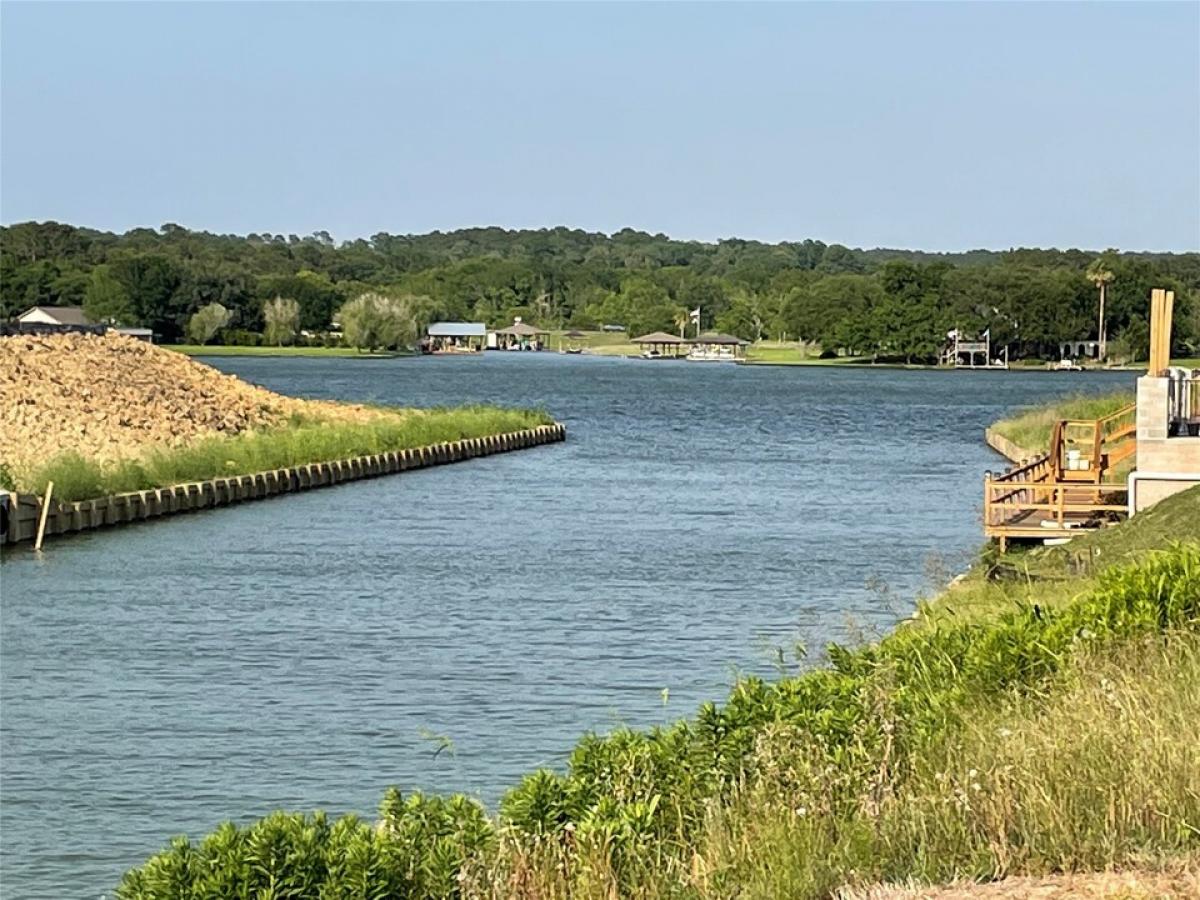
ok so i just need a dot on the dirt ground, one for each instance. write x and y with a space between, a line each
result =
110 397
1130 885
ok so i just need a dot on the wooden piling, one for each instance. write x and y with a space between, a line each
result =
65 518
41 529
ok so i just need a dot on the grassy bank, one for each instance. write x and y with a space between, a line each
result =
1032 428
232 350
1052 729
303 440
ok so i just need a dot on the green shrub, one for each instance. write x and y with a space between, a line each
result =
236 337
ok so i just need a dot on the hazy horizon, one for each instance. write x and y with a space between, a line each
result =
933 127
340 239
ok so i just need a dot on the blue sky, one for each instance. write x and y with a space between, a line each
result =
934 126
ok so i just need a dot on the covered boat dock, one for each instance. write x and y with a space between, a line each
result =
717 347
455 337
517 336
660 345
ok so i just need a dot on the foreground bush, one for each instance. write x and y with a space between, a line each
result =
889 763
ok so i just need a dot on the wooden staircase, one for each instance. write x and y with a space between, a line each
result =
1078 485
1091 450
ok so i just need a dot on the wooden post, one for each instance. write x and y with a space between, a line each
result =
37 545
1167 314
1056 461
1162 304
1152 359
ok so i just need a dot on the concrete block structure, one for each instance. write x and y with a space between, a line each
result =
1168 454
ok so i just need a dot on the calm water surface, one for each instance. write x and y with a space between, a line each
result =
304 652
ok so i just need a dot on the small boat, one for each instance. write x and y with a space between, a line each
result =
574 351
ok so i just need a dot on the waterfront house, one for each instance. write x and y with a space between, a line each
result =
54 315
455 337
1079 350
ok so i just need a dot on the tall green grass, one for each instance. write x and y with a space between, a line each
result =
1032 429
951 748
300 442
1096 772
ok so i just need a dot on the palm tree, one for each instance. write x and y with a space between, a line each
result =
682 317
1099 274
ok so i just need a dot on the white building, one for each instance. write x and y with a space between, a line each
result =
54 315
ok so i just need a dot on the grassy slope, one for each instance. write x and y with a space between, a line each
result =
223 350
1036 784
300 442
1052 576
1032 428
597 343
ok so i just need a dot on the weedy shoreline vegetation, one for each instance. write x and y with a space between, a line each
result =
1021 738
1032 428
302 440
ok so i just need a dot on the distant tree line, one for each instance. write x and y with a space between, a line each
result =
884 303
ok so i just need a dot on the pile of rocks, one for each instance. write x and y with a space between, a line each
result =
111 397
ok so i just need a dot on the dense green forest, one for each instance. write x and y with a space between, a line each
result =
886 303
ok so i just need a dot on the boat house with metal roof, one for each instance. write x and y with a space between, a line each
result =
455 337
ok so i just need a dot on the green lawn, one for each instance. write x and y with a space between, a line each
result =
624 348
596 343
776 357
225 350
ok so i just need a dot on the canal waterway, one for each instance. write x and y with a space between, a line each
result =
451 629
